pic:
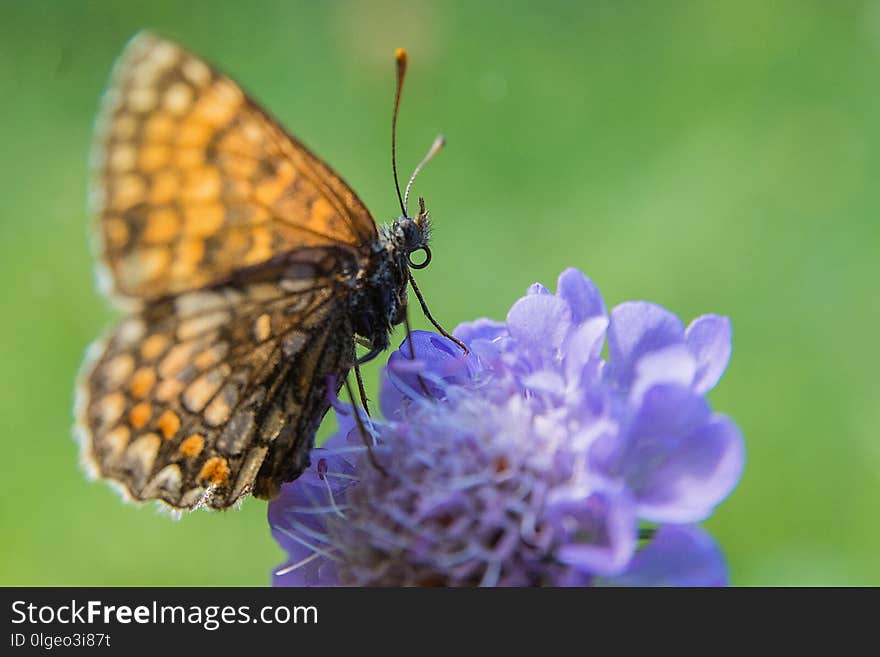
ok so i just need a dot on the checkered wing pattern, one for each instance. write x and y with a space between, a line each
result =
210 395
192 180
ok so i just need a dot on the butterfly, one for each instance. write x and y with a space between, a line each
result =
250 272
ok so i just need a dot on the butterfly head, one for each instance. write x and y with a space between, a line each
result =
411 235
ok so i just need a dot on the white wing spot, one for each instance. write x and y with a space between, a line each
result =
117 371
196 72
142 99
201 324
123 158
130 331
141 455
178 98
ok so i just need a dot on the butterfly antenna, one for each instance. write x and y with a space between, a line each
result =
439 143
400 57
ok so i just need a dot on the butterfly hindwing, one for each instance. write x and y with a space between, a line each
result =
192 399
192 180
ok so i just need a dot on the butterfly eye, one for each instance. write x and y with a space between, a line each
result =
424 263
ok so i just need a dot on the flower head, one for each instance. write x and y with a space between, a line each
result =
531 459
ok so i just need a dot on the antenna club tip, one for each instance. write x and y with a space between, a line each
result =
400 56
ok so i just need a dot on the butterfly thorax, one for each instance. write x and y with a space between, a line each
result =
380 302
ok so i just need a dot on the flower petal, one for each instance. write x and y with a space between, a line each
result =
709 339
320 485
539 321
676 556
480 329
638 328
678 472
581 294
584 345
673 364
596 531
537 288
296 519
439 361
544 381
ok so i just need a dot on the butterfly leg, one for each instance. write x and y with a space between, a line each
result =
361 390
412 352
370 355
446 334
368 443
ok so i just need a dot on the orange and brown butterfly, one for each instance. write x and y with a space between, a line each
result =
249 269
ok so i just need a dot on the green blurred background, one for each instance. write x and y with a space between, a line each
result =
709 156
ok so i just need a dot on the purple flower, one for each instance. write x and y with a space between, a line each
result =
530 460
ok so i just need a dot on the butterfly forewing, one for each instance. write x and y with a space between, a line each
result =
206 394
193 180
